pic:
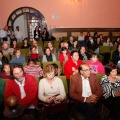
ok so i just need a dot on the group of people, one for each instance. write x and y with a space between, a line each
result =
79 65
7 34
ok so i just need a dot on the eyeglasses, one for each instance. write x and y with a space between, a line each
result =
87 70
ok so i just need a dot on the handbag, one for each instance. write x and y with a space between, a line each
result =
52 108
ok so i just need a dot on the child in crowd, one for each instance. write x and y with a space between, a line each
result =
6 73
34 55
64 55
33 69
95 65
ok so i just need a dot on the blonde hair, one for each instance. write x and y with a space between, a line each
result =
48 69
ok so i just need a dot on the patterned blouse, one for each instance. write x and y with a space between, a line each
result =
109 88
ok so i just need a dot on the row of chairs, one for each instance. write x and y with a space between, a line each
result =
63 78
40 43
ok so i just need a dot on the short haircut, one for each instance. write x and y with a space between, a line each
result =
13 67
109 67
48 69
16 49
81 66
74 51
32 47
6 64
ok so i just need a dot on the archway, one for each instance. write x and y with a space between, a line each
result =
27 19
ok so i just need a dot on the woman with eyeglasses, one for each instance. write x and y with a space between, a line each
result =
51 87
110 84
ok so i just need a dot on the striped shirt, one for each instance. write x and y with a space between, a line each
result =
35 71
109 88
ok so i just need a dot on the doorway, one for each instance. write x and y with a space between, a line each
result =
27 19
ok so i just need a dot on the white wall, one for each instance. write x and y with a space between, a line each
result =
22 23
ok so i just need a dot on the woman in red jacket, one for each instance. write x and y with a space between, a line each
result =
64 55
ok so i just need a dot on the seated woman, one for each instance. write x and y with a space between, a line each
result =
51 88
48 56
34 55
108 42
117 40
96 45
6 73
14 44
64 55
83 55
95 65
75 45
25 44
17 58
52 49
116 56
33 69
111 90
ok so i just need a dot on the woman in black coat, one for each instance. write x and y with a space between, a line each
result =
37 33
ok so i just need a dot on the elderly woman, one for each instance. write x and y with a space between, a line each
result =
51 88
111 90
83 55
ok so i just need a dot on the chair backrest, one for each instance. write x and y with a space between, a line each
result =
100 76
111 53
114 47
37 79
104 49
47 63
8 57
63 78
24 51
56 44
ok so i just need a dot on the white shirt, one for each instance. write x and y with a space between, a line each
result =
86 89
4 33
81 38
18 34
22 91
